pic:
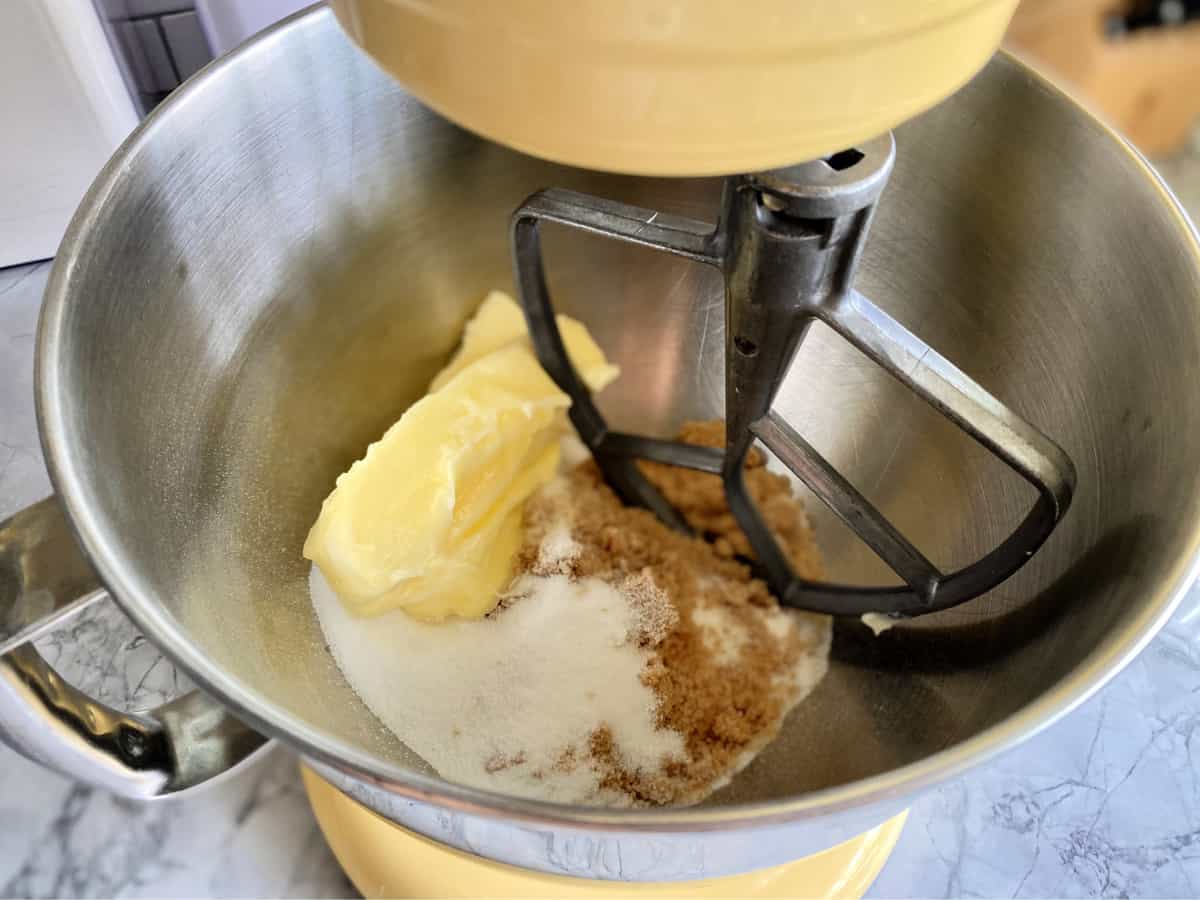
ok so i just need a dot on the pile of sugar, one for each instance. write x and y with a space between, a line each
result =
625 665
732 664
500 702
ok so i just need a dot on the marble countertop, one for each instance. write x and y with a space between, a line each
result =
1105 803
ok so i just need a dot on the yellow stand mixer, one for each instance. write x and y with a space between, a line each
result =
274 265
697 88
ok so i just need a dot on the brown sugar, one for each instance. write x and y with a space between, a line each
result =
700 497
726 662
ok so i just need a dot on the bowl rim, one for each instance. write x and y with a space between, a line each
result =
65 459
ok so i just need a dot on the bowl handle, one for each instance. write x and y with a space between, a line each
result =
44 580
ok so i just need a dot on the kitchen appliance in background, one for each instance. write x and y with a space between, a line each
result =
69 96
161 43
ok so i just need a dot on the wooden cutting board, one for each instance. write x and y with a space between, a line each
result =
1146 83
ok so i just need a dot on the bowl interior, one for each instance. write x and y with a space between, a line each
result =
266 278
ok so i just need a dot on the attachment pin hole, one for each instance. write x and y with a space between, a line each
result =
844 159
745 346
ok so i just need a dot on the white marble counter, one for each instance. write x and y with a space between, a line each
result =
1105 803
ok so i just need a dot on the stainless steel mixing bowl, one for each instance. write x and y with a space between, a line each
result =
275 264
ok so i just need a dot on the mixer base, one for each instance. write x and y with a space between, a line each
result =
385 860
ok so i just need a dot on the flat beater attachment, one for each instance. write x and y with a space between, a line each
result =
787 243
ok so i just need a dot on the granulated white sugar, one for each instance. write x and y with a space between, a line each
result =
509 702
723 636
556 551
779 623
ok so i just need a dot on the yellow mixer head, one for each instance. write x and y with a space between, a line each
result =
679 87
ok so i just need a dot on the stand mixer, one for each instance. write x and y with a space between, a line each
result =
263 279
787 241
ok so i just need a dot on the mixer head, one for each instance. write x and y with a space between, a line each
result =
787 243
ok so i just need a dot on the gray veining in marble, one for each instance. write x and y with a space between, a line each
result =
1105 803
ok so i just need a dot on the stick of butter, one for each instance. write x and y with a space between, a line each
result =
429 520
